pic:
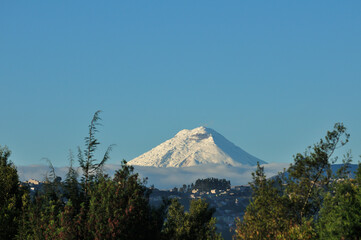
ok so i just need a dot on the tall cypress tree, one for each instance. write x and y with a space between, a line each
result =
88 163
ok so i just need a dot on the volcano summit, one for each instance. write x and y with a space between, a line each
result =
196 147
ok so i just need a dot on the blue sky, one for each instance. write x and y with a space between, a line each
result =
271 76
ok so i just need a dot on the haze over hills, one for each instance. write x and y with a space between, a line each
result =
195 147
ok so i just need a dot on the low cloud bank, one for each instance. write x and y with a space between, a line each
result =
166 178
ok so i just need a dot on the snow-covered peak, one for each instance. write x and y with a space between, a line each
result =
194 147
198 130
199 133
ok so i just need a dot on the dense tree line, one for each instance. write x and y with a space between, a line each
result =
95 207
205 185
208 184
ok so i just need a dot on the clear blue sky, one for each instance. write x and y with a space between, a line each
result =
271 76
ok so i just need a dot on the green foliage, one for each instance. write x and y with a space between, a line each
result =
68 228
87 161
340 216
71 185
119 208
303 231
310 174
97 208
197 223
10 196
4 157
266 215
287 209
24 230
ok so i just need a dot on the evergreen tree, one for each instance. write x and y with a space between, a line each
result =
88 163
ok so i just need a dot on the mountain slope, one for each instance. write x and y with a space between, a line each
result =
195 147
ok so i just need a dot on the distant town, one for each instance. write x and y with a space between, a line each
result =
229 203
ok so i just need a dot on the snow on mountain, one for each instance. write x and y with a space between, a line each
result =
195 147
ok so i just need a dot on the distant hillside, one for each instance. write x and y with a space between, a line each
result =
334 167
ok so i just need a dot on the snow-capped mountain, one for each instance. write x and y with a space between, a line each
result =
195 147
